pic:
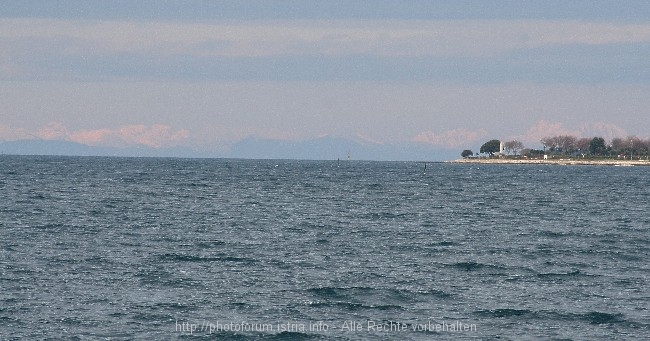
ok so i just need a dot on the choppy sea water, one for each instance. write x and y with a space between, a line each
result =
128 248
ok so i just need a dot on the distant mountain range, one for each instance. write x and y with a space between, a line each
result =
58 147
324 148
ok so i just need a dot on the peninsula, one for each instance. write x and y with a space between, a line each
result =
564 150
564 162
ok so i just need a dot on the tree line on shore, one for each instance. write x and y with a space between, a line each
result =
568 146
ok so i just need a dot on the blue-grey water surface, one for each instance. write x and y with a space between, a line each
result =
129 248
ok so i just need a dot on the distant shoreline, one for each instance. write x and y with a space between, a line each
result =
564 162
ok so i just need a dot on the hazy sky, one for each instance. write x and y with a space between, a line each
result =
206 74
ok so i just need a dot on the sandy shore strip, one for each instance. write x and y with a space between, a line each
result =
565 162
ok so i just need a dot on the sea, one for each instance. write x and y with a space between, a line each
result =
102 248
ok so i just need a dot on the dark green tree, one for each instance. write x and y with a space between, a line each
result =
466 153
491 147
597 146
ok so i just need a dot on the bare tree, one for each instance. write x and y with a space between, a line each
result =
560 144
635 145
582 144
566 143
513 147
618 145
548 143
645 149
